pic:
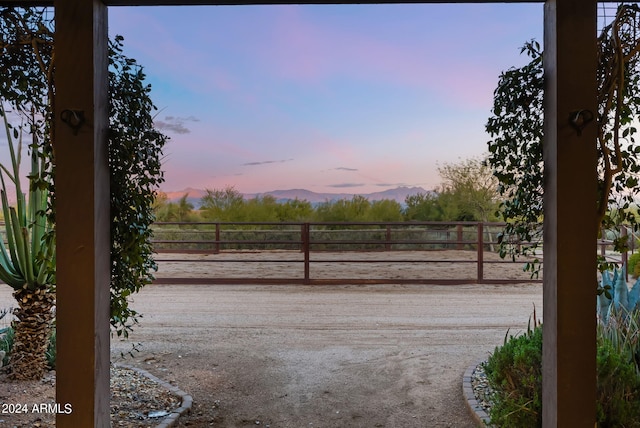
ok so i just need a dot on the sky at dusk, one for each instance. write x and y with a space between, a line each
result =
331 98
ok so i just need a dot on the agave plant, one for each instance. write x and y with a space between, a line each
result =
27 260
616 295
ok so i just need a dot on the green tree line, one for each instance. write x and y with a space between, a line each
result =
467 193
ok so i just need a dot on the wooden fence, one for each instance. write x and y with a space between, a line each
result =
418 246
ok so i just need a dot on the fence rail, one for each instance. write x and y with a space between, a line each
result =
311 240
331 244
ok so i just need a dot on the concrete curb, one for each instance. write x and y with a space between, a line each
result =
478 413
186 399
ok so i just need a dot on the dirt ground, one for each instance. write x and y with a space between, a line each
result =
323 356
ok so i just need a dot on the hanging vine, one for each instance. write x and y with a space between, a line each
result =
26 83
27 58
618 105
516 131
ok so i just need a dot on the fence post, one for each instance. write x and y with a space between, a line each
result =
217 238
480 253
460 245
387 245
623 233
305 248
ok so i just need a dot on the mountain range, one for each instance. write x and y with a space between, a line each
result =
399 194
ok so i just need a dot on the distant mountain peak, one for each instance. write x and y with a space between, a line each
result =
398 194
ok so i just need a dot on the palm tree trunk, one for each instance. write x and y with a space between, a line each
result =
32 328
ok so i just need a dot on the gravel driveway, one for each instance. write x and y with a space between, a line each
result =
325 356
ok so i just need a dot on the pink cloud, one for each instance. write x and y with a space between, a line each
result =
304 51
296 48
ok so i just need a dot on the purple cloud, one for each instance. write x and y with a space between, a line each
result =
266 162
175 124
307 52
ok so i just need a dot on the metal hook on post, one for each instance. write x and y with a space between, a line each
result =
580 119
74 119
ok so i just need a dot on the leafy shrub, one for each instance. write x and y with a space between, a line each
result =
622 331
514 372
618 392
6 337
618 366
633 267
6 344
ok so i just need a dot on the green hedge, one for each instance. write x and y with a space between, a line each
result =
514 372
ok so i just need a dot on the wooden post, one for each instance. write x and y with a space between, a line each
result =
217 251
82 204
569 347
306 244
480 253
387 238
460 245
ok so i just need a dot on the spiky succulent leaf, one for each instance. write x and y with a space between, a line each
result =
26 261
8 272
36 206
8 229
20 242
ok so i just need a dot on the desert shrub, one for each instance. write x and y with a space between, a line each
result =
618 391
622 331
514 372
6 337
633 267
6 344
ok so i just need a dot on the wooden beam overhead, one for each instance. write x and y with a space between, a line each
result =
26 3
266 2
261 2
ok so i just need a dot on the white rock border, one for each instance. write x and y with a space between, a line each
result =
186 399
474 407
